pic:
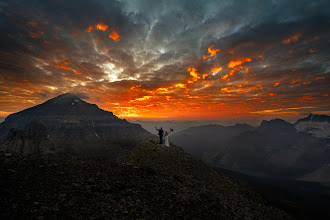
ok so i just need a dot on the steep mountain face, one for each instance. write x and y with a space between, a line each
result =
31 140
316 125
77 127
151 182
275 148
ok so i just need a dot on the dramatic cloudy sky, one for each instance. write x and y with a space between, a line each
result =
168 59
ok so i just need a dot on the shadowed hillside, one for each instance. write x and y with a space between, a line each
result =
152 181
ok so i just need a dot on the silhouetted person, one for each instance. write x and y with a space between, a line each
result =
160 133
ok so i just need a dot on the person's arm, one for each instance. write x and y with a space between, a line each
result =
156 128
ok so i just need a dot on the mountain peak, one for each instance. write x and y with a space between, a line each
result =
277 124
66 98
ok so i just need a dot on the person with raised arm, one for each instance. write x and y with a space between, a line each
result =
160 133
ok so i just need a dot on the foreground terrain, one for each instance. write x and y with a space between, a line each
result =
152 181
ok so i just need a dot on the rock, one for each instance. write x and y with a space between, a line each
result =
31 140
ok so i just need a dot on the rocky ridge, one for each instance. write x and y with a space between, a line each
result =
152 181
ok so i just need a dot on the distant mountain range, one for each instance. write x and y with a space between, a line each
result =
70 126
276 148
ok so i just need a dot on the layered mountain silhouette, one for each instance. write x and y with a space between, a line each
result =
276 148
73 127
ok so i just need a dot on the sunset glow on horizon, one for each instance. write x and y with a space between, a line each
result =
143 61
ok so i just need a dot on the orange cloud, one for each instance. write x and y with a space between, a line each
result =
216 69
180 85
295 80
162 89
277 83
320 77
306 83
89 29
114 35
292 38
240 89
234 63
135 86
211 51
102 27
146 97
65 66
231 72
194 74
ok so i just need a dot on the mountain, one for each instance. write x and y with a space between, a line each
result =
278 125
151 182
276 148
316 125
76 127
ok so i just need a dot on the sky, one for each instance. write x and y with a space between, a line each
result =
168 60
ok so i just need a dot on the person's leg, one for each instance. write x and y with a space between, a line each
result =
160 139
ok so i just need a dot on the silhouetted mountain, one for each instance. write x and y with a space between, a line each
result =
277 125
151 182
273 149
77 127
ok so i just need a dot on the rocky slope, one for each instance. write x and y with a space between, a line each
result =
151 182
76 127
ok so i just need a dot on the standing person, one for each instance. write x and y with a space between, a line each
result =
167 143
160 133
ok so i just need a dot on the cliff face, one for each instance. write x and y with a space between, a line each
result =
31 140
150 182
77 127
